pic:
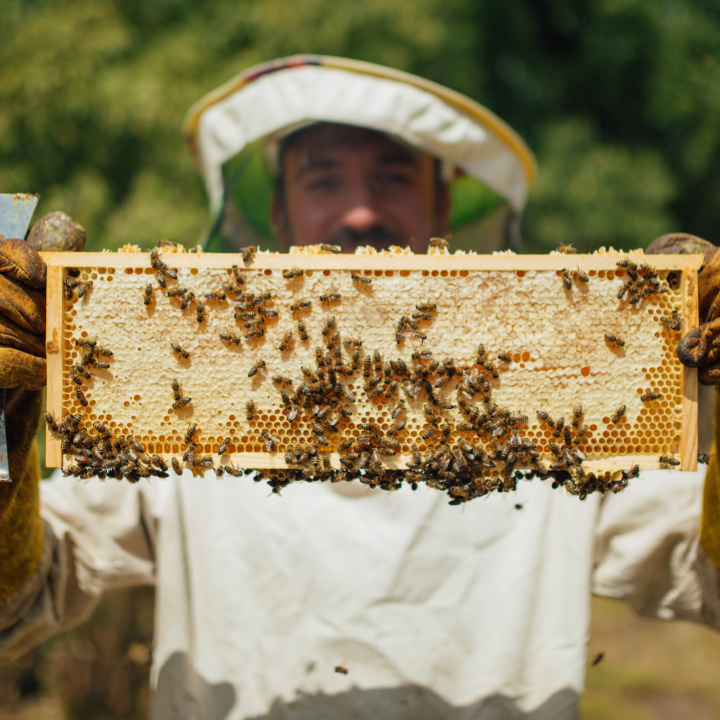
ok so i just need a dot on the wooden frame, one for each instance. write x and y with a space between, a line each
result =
434 263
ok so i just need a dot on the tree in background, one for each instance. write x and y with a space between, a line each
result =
620 99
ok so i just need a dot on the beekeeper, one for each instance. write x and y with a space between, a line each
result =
329 602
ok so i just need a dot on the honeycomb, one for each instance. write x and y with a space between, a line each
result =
553 340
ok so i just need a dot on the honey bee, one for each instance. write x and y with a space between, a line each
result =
267 312
428 433
292 274
132 441
330 297
181 403
248 252
646 269
159 462
566 249
614 340
618 414
567 279
81 397
580 276
176 389
357 278
230 338
668 461
391 389
215 296
426 307
250 410
286 342
148 294
224 446
341 669
330 323
270 440
188 298
184 354
336 249
82 288
505 357
674 322
647 397
422 316
200 312
257 367
51 422
578 413
437 242
255 334
176 292
301 305
160 277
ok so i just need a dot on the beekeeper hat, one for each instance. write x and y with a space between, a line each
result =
233 134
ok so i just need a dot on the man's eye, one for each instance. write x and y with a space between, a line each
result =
395 179
324 183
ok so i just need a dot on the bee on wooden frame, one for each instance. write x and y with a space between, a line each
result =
438 242
248 252
335 249
667 461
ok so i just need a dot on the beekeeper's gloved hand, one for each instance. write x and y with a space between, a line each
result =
700 348
23 372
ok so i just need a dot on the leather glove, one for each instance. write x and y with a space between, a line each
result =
23 371
700 348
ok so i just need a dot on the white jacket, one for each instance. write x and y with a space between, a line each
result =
478 611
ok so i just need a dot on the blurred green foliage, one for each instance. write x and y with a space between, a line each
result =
620 99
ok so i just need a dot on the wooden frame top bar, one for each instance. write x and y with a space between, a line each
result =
436 261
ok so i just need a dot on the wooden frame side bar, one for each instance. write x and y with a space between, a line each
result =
690 316
54 351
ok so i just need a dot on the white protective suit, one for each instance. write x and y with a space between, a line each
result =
436 611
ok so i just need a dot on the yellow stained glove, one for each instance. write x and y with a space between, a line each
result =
23 371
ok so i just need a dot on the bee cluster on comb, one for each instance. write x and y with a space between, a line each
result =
389 368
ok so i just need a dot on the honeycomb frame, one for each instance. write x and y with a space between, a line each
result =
522 282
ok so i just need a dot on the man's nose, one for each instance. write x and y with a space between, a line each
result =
361 213
360 218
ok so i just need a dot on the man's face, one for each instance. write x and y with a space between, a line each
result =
351 186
